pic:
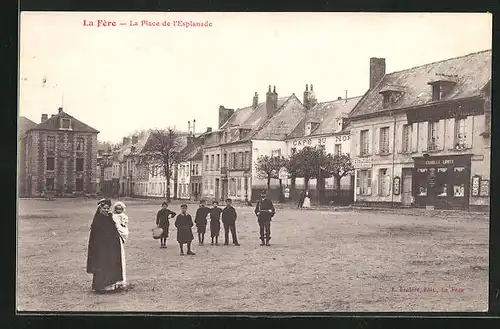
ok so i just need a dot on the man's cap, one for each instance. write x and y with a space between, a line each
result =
184 205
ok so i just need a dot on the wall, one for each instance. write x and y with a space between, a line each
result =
184 180
260 148
209 174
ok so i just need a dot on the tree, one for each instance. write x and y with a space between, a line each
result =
307 163
267 167
162 149
338 166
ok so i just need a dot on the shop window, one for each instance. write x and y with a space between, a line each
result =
383 182
422 182
364 182
459 185
384 140
407 130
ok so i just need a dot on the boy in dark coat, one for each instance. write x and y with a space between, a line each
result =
162 221
229 221
264 211
215 213
201 221
184 222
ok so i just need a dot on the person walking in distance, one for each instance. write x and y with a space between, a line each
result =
215 213
264 211
229 221
201 221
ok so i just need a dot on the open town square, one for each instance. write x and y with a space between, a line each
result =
319 260
230 162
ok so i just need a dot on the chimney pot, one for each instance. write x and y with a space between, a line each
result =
60 110
274 89
189 126
377 70
194 121
44 117
307 87
339 98
311 87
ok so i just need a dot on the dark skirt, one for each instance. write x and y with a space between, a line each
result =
214 228
164 235
184 235
201 228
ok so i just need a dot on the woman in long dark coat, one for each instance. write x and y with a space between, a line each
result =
104 252
184 223
162 221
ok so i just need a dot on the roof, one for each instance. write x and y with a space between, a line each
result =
283 121
181 141
247 118
325 113
24 124
471 73
52 123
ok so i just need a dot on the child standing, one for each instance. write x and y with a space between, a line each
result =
229 221
215 213
162 221
184 223
121 222
201 221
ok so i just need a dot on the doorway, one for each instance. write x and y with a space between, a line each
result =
217 196
406 191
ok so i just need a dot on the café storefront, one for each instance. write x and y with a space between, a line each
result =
442 181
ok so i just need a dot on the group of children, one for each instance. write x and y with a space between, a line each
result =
184 224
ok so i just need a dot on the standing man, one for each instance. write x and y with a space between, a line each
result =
264 211
229 221
301 199
201 221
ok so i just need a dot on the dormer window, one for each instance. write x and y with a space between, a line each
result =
441 86
65 123
311 126
391 94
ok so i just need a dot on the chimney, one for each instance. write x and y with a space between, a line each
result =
194 121
135 139
124 140
377 70
52 115
224 115
271 101
189 126
306 97
60 110
339 98
255 102
209 129
45 117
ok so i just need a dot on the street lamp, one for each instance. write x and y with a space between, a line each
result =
246 174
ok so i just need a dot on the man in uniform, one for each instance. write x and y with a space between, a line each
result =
264 211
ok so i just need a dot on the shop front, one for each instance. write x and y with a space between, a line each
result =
442 181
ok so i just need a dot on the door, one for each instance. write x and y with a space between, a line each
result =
217 189
406 191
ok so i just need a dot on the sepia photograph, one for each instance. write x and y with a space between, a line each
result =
253 162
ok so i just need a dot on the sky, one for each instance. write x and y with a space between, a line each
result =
120 79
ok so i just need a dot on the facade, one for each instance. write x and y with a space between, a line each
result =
24 124
421 136
60 156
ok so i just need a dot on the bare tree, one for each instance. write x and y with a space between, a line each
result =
162 149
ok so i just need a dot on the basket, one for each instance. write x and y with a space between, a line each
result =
157 232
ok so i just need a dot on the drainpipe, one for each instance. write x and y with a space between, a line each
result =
393 155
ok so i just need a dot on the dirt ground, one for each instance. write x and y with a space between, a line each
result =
319 261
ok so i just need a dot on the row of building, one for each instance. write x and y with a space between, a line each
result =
419 136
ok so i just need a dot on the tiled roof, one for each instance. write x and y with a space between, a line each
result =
471 73
24 124
283 121
126 149
52 123
325 113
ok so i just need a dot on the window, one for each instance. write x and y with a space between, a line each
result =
206 162
51 143
196 170
460 133
364 182
49 184
436 92
65 123
50 163
387 100
79 164
238 187
384 140
294 150
365 147
276 153
407 130
432 136
225 161
79 144
79 184
338 149
217 163
212 162
383 182
321 147
247 159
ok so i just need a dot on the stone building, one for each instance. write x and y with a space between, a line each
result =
61 156
421 136
24 124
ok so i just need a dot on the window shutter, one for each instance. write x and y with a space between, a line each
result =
399 138
424 132
414 137
370 141
357 142
449 134
469 128
441 129
376 141
391 138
